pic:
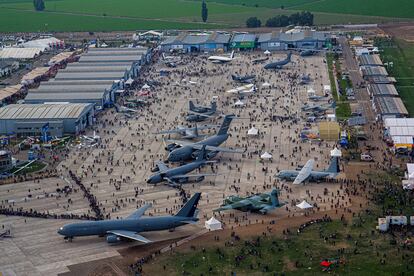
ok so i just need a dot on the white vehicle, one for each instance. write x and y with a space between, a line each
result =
221 59
244 90
366 157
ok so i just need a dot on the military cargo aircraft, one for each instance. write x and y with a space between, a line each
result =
279 64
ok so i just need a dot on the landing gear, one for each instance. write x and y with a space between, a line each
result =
68 239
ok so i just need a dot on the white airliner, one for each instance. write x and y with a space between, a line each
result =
221 59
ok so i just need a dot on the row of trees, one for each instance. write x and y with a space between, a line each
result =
299 19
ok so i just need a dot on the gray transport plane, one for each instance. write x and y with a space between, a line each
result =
179 175
278 64
187 132
128 228
200 113
184 150
308 174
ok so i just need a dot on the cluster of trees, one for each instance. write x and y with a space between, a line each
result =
39 5
299 19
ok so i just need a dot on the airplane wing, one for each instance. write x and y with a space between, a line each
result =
178 142
304 172
161 166
130 235
235 205
139 212
168 131
192 175
200 114
212 148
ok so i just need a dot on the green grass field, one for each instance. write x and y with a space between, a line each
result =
401 53
387 8
111 15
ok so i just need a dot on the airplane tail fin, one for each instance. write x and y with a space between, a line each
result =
232 54
191 105
289 56
274 196
334 166
214 106
225 125
189 209
196 131
202 155
234 77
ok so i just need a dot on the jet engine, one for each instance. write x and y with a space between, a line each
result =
266 209
112 239
171 147
195 154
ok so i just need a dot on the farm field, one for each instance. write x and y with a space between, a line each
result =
387 8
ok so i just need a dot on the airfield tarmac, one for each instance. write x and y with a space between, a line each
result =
116 171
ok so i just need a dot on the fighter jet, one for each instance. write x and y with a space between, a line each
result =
200 113
221 59
318 108
177 176
128 228
279 64
262 203
184 151
308 174
242 91
243 79
187 132
124 109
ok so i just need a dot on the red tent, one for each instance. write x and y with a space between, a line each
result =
326 263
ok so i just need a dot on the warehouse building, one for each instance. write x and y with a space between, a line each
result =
370 60
197 42
243 42
276 41
96 78
389 107
382 90
381 79
29 119
373 71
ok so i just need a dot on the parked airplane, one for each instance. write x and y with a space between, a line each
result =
260 60
308 174
92 139
244 79
124 109
128 228
262 203
317 98
318 108
221 59
200 113
138 102
279 64
179 175
184 151
186 132
244 90
305 79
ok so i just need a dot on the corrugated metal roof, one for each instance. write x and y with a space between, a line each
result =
130 58
19 53
371 60
390 105
292 36
87 68
75 82
90 75
383 90
65 97
73 88
42 111
374 71
244 37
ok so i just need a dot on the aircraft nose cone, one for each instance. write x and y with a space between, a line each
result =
149 180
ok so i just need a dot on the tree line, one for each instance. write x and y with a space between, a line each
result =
303 18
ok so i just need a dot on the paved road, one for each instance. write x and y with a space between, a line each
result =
361 94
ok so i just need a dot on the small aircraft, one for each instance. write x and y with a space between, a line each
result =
318 108
186 132
117 230
244 90
221 59
179 175
184 150
260 60
200 113
279 64
261 203
124 109
308 174
243 79
305 79
92 139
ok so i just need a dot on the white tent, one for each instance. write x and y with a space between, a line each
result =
267 52
304 205
336 152
265 85
104 45
146 86
311 92
239 103
253 131
213 224
266 155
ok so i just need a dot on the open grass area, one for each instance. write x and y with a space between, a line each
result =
28 21
387 8
34 167
401 54
274 4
